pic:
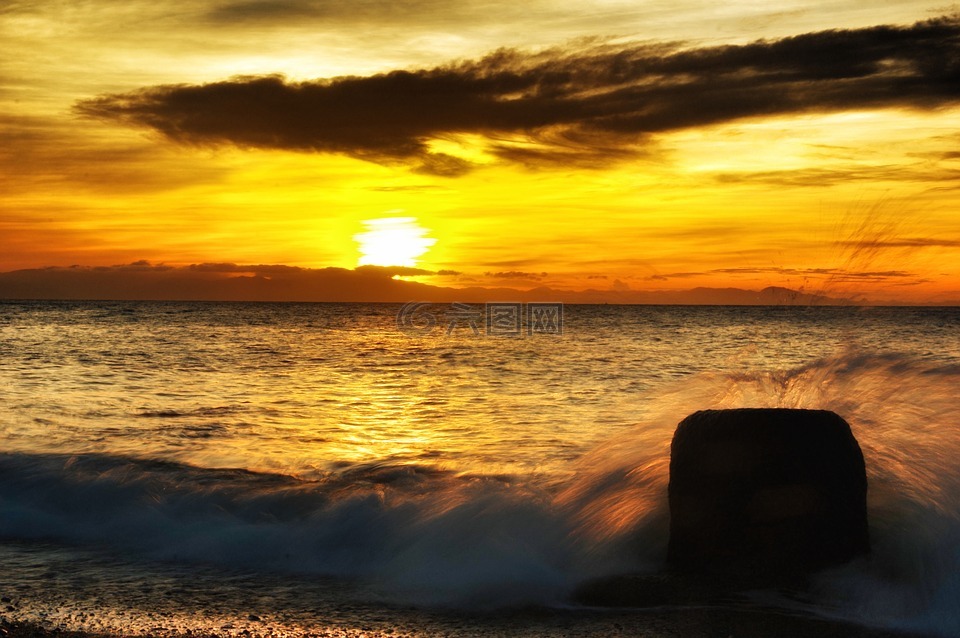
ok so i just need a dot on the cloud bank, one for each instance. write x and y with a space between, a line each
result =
212 281
142 280
590 106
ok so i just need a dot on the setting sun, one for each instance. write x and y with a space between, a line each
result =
393 241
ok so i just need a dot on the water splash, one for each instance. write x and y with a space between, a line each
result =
903 412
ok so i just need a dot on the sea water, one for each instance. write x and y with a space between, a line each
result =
216 466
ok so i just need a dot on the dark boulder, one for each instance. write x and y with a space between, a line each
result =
761 496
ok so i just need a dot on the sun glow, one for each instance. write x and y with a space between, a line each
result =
393 241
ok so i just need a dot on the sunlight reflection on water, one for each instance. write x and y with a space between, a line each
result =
307 387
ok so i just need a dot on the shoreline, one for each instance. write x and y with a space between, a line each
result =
535 623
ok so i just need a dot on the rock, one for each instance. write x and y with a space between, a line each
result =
761 496
649 590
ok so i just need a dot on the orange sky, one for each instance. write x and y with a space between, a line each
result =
611 145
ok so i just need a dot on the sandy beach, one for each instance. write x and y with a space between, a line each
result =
659 623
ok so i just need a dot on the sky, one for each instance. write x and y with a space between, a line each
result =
327 150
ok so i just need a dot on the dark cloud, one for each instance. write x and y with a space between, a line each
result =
516 274
281 269
390 271
258 13
260 269
590 106
212 281
141 265
244 282
277 282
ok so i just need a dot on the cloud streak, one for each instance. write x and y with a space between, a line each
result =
595 105
516 274
905 242
834 274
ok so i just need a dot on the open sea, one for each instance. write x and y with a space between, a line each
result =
314 469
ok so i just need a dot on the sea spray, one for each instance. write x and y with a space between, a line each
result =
903 412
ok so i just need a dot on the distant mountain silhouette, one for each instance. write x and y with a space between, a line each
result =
231 282
770 296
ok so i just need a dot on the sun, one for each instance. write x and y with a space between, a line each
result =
392 241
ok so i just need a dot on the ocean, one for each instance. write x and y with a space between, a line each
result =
349 469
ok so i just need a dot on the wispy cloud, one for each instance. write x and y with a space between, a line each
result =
260 13
818 177
906 242
41 153
516 274
590 106
834 274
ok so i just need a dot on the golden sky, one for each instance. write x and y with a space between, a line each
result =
605 144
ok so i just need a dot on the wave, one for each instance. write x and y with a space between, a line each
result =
196 412
418 533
